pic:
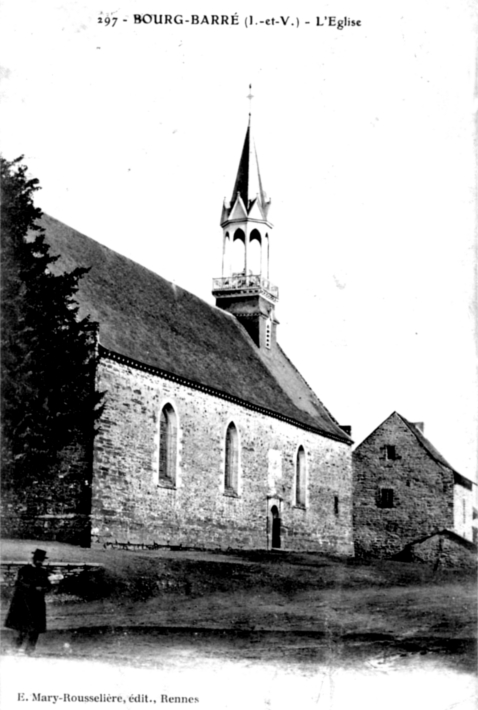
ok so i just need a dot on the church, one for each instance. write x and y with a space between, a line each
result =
210 437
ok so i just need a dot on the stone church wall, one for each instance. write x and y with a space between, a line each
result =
422 492
128 504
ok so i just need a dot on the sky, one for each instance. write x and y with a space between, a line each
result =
365 138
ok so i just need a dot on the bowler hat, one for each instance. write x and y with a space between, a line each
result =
39 555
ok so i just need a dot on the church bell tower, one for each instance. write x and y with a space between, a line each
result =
244 288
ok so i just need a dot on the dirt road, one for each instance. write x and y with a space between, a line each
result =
224 671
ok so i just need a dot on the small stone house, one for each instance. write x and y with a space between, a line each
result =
210 437
442 549
404 490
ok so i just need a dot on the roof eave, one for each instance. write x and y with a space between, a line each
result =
180 379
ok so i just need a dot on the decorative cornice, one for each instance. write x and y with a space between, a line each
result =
239 220
250 315
247 291
136 365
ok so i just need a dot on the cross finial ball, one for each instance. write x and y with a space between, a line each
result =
250 96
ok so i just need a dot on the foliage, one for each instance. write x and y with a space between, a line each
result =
47 353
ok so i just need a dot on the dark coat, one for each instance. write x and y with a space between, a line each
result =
27 611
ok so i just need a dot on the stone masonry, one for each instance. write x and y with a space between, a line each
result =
129 504
444 549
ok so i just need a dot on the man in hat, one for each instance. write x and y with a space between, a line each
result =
27 613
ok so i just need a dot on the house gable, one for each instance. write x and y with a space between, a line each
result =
401 491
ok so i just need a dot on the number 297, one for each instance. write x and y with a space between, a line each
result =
107 21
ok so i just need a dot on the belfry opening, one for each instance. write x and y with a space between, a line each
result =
244 288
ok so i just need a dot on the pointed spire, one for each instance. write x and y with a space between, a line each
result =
248 182
245 289
248 196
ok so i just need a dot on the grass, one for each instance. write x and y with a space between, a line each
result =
405 605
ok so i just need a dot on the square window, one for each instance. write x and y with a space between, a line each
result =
390 452
385 498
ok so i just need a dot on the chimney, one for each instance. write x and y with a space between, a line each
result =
347 428
420 426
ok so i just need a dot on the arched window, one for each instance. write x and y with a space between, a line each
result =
255 252
239 234
238 252
300 477
231 472
168 433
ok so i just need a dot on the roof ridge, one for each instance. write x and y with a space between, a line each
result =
137 264
427 445
114 251
374 430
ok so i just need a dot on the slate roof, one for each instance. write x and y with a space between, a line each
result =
144 317
248 184
427 445
247 173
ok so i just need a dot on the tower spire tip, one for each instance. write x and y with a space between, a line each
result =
250 97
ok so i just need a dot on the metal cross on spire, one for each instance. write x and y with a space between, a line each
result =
250 97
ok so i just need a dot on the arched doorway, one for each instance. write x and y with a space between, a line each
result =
275 527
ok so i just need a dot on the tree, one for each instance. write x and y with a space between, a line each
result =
48 357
